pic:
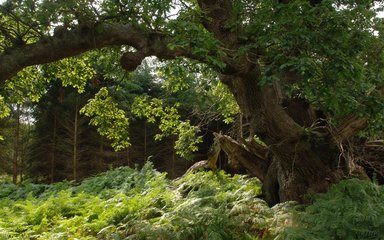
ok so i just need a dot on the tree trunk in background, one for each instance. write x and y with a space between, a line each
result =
128 157
101 154
16 146
241 132
53 151
145 142
173 157
75 140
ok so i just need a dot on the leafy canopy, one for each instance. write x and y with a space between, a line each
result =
334 47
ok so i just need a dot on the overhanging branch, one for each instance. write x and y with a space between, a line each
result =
67 43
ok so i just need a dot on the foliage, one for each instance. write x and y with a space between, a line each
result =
4 111
32 82
352 209
197 87
110 121
332 48
26 84
73 72
201 42
170 123
137 204
127 203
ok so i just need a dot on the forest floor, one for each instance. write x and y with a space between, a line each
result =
127 203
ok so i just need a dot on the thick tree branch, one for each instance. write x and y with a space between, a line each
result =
350 127
67 43
210 163
218 16
256 165
257 149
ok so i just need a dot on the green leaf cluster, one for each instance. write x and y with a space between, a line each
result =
147 14
32 82
109 119
73 72
202 43
169 123
27 84
4 109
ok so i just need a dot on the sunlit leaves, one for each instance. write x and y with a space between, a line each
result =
31 82
187 139
73 72
169 124
110 121
4 111
140 202
225 102
28 83
182 74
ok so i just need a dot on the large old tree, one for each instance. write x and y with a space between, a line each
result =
306 74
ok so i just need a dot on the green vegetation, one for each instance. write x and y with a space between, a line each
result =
136 204
352 209
129 203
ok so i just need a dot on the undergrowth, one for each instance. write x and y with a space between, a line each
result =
129 203
352 209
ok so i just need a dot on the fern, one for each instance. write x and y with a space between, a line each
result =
127 203
352 209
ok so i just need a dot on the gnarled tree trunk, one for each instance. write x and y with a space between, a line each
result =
301 156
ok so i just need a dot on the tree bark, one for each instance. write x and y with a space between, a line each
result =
300 160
